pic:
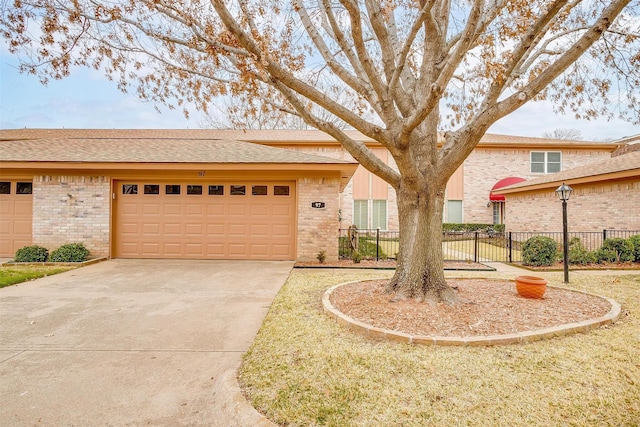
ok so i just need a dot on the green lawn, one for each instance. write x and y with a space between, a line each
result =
17 274
486 251
306 370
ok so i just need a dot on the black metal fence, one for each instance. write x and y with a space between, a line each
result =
476 246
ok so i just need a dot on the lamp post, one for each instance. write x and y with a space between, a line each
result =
564 192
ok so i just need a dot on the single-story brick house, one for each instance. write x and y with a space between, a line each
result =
170 198
606 195
209 193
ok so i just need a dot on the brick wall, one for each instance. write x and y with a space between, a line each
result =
484 167
72 209
318 228
592 207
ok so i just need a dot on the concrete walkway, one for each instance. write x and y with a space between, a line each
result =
133 342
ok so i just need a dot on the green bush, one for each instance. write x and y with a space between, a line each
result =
539 251
578 254
471 227
72 252
33 253
635 242
356 257
615 249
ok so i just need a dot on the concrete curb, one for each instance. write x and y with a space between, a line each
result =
481 340
232 404
53 264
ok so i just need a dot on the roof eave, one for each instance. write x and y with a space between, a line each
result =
630 173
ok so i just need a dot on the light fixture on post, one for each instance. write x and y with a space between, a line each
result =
564 192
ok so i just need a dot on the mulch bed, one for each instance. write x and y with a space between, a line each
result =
486 307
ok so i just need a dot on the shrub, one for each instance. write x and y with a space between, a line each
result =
356 257
539 251
471 227
72 252
33 253
635 241
322 256
578 254
615 249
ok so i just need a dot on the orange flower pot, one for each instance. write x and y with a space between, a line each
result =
531 286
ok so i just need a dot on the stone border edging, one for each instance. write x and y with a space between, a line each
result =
478 340
54 264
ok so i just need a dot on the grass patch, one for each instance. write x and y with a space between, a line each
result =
487 250
304 369
17 274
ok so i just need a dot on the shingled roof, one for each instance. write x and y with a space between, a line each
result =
153 150
274 137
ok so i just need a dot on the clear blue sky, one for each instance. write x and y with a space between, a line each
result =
86 99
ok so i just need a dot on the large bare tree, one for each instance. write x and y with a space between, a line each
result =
411 68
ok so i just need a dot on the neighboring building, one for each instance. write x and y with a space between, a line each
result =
606 195
114 190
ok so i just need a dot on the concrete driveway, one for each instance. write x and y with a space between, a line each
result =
133 342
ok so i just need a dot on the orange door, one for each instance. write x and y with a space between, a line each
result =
16 215
213 220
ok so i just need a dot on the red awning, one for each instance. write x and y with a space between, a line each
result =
505 182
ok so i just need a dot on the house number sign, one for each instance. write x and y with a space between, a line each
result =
318 205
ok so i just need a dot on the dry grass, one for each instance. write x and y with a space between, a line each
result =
305 370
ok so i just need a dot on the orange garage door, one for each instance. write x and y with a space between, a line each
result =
16 213
214 220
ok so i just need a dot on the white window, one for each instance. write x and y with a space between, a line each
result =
497 212
379 214
370 214
454 211
546 161
361 214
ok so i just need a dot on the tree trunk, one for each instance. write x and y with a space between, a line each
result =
420 269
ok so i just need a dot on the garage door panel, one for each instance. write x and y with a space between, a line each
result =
281 230
132 229
280 250
22 227
237 230
192 249
172 249
172 229
129 208
151 229
259 230
236 208
281 210
194 209
215 250
261 209
150 249
23 207
193 230
216 209
151 209
215 230
172 209
238 249
259 250
213 226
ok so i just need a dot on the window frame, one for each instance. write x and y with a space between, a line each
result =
545 162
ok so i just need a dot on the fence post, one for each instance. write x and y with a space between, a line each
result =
510 248
475 249
377 244
604 234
